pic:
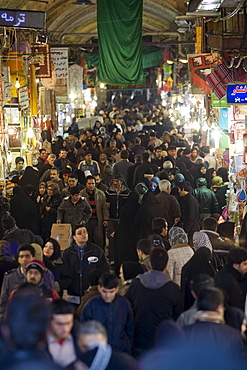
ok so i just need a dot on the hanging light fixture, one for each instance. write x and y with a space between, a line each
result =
17 83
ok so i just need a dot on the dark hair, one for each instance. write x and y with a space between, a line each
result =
73 176
209 223
158 224
145 246
209 299
54 168
27 318
124 154
216 216
42 150
108 281
26 247
145 156
74 190
96 174
94 276
90 177
77 145
157 148
185 185
76 228
158 258
237 255
62 307
201 281
62 149
19 159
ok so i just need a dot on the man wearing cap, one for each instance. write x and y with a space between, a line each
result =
18 171
15 236
74 209
88 164
153 140
206 198
220 191
116 197
34 275
15 277
185 158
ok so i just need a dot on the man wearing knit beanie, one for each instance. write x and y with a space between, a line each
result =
34 271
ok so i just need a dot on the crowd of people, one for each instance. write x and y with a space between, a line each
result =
152 270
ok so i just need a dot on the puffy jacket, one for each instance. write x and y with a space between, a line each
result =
117 318
206 199
100 200
80 281
74 214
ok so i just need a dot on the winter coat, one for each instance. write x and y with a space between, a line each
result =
16 237
229 280
149 209
154 298
178 256
117 318
190 213
100 203
80 281
60 271
170 206
206 199
117 200
74 214
49 217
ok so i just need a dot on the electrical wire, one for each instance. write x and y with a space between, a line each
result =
228 16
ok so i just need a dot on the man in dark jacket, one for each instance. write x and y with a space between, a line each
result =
141 170
74 209
230 277
15 236
185 158
154 298
172 211
14 278
189 208
116 197
209 329
206 199
113 311
82 257
93 343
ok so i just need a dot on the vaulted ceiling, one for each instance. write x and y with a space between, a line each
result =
64 17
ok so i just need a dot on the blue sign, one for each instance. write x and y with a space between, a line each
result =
22 19
236 94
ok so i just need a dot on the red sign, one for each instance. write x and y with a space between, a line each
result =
42 60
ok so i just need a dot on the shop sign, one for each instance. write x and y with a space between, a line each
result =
22 18
42 60
23 98
59 57
200 66
236 94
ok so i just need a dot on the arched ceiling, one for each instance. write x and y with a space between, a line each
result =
64 17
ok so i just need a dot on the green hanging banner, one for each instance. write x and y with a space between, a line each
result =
120 41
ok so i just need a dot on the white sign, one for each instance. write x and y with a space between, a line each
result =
23 98
59 57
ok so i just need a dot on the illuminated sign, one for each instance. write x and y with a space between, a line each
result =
236 94
22 18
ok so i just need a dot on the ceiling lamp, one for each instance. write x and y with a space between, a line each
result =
83 2
204 5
